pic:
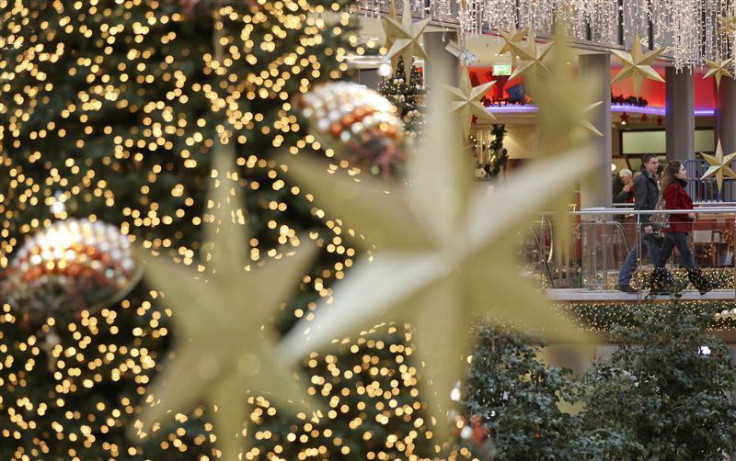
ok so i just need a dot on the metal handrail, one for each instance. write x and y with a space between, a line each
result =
615 211
540 248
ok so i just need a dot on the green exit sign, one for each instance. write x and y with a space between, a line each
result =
502 69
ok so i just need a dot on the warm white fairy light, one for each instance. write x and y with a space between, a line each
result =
688 28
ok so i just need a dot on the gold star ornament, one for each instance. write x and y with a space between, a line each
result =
637 65
530 57
388 43
718 69
405 39
727 24
444 253
719 165
225 351
511 38
466 101
563 122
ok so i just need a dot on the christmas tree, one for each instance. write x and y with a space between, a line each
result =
408 97
112 109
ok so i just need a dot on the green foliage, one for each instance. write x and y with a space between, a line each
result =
499 155
518 397
662 392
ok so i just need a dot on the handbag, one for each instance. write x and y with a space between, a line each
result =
660 220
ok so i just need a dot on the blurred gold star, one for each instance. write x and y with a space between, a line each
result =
531 57
719 165
445 251
466 101
406 39
637 65
719 68
513 37
727 24
224 350
563 122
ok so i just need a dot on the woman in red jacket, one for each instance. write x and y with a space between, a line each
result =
676 235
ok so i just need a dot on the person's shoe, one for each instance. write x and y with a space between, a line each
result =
626 288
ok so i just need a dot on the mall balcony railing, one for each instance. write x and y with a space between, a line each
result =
600 239
706 190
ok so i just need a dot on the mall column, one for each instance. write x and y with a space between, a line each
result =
725 116
440 58
680 115
725 127
597 67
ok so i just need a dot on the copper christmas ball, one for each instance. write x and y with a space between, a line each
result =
359 124
70 266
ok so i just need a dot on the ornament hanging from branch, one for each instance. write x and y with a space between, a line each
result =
359 124
75 264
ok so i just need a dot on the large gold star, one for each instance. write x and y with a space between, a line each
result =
637 65
719 68
510 38
405 39
388 43
719 165
444 252
466 101
563 122
224 352
531 57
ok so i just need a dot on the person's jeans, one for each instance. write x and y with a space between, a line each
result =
651 246
679 240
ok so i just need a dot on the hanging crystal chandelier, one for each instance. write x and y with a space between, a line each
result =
692 30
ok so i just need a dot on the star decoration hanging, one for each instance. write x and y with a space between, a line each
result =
466 101
444 253
531 57
388 43
563 121
224 353
585 123
727 24
719 165
405 39
718 69
637 65
514 37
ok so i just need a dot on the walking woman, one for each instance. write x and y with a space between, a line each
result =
676 235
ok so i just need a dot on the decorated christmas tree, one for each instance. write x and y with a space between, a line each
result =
109 113
408 97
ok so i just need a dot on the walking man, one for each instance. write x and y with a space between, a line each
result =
646 194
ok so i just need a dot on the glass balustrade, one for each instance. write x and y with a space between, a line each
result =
599 240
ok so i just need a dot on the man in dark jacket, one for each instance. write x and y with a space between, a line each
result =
646 194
